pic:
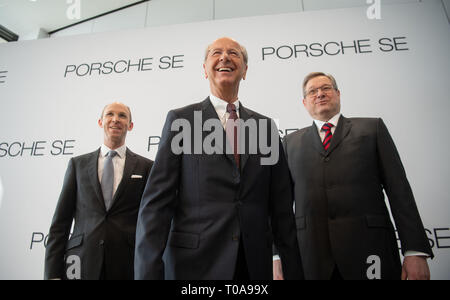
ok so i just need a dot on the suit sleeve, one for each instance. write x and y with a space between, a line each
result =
61 225
283 219
157 208
403 206
284 142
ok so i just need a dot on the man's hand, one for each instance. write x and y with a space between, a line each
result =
277 270
414 268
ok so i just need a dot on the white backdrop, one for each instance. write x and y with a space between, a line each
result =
396 68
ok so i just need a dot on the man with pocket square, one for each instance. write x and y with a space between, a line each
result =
101 194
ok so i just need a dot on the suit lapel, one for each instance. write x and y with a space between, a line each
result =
210 113
93 175
244 115
342 130
314 138
130 163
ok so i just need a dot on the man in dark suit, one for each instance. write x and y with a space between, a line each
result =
215 216
340 167
101 194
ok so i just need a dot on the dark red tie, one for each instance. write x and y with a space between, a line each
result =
232 131
328 135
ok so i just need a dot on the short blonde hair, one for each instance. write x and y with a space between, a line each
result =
128 108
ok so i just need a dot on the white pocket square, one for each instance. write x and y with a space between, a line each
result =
136 176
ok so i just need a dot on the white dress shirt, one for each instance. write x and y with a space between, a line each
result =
118 163
221 108
319 124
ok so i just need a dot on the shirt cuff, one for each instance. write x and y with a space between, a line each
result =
276 257
415 253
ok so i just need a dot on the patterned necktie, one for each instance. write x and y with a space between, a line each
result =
232 131
108 179
328 135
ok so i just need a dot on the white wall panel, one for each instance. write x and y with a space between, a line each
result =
34 35
225 9
333 4
82 28
166 12
132 17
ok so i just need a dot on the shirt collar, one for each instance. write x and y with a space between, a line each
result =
121 151
220 105
334 120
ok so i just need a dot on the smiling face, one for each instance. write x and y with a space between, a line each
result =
116 122
225 66
322 100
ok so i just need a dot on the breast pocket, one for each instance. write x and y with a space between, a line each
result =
74 242
73 246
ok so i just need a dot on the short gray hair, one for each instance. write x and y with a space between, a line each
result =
318 74
242 48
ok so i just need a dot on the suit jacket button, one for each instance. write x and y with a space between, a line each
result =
326 159
101 243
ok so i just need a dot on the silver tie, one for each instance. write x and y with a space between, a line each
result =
108 179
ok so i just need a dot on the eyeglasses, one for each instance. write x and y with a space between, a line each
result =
324 89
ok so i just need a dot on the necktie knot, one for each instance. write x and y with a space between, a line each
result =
231 108
111 154
327 126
